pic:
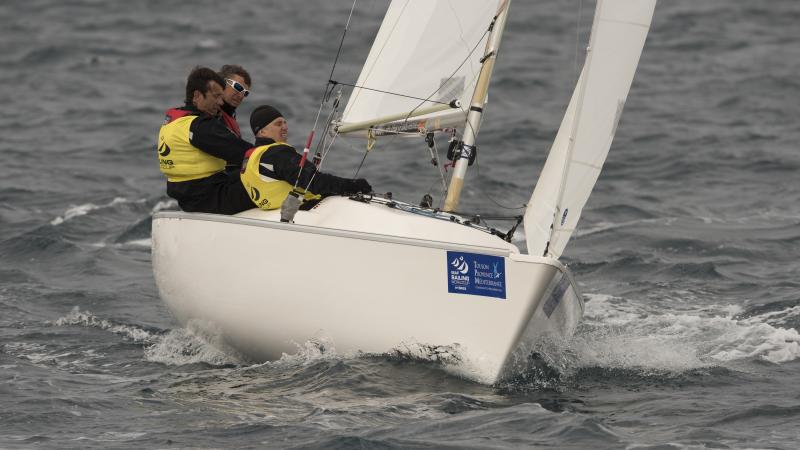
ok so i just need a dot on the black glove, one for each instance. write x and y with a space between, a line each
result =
361 185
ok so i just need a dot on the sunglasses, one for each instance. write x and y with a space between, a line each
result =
237 87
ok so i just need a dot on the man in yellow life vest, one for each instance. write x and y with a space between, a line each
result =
194 145
271 169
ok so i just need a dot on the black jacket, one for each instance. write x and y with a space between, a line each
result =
285 165
219 193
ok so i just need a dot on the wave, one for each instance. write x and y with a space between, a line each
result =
175 347
82 210
619 334
135 235
609 226
87 319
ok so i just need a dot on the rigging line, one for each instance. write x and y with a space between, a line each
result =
321 142
482 191
355 95
454 73
387 92
333 67
577 39
328 124
361 164
321 159
450 77
475 47
439 166
325 95
427 99
389 131
439 88
324 154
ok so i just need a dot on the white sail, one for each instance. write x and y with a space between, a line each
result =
424 49
584 138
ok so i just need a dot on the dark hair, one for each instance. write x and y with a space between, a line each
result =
198 81
234 69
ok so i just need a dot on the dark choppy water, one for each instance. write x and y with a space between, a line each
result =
689 251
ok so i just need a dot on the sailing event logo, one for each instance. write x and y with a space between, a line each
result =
476 274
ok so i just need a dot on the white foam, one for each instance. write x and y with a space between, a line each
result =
112 436
198 343
87 319
147 242
782 316
143 243
208 44
619 333
752 338
82 210
313 350
605 226
163 205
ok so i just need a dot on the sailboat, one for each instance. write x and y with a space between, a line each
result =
404 278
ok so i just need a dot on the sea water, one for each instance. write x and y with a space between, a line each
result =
688 252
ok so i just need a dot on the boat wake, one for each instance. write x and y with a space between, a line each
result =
175 347
192 346
616 335
202 343
619 334
87 319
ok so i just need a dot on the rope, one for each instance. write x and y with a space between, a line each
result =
483 192
361 164
326 97
321 142
334 82
439 166
428 98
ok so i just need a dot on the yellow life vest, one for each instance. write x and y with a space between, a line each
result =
179 160
267 193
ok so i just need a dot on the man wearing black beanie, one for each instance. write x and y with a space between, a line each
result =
271 169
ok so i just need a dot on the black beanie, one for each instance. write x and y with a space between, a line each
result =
263 116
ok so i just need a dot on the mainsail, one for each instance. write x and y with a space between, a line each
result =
428 50
584 138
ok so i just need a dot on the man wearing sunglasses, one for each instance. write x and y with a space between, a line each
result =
194 146
237 87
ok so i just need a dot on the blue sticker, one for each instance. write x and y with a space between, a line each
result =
474 274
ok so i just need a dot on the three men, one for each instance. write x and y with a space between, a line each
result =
196 142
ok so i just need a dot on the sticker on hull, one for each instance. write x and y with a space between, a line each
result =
556 296
476 274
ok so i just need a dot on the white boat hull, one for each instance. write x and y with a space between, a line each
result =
268 287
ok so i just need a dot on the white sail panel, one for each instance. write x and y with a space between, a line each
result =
417 52
618 35
539 215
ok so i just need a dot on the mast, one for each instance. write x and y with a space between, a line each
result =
473 122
